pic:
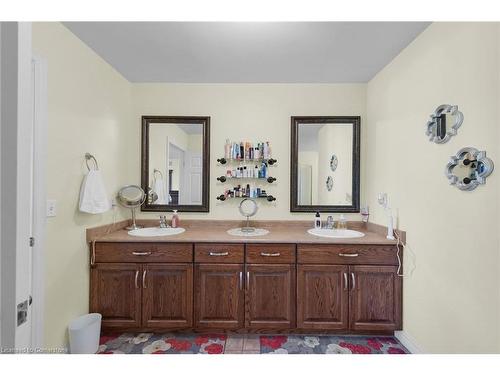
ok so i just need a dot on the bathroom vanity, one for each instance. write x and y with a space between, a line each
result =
207 280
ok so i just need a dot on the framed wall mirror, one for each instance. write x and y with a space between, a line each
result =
325 153
175 163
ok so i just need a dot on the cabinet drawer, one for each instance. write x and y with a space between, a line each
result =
218 253
271 253
111 252
347 254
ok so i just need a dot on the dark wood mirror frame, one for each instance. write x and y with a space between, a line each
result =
147 121
295 121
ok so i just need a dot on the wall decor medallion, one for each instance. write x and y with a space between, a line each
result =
444 123
333 162
469 168
329 183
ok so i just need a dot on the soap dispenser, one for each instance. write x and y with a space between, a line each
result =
175 220
317 221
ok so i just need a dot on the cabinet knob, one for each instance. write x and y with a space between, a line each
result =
270 254
349 255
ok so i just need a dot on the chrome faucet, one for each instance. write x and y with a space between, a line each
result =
163 221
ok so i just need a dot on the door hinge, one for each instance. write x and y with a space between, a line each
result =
32 241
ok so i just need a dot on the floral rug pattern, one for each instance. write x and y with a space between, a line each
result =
331 345
149 343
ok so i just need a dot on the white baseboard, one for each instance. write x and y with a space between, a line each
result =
409 342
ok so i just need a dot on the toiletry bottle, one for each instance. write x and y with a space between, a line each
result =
342 222
317 220
242 151
227 149
175 220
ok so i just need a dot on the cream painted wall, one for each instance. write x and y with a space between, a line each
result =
451 299
253 112
89 109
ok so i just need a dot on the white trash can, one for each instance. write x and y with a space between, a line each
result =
84 333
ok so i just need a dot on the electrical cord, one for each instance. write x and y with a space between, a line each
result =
399 242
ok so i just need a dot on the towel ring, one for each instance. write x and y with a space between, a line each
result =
91 157
157 171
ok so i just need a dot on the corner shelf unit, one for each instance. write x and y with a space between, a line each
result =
226 178
268 179
269 161
269 198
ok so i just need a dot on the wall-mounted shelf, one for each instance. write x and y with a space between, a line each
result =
268 179
269 198
269 161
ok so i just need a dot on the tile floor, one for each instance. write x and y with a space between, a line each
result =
242 344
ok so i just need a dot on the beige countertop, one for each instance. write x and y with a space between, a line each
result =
213 231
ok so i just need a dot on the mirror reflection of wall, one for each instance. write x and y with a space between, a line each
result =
317 143
175 152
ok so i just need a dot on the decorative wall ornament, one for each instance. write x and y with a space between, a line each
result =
333 162
329 183
444 123
469 168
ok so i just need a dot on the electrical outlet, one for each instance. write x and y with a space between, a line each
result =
51 207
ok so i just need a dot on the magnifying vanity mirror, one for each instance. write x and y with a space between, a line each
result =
131 196
175 163
325 164
248 208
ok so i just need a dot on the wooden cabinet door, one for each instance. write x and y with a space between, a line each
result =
219 296
167 295
115 292
375 298
270 296
323 297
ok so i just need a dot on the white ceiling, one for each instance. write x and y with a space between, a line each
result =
247 52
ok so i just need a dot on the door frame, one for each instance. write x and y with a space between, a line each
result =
40 127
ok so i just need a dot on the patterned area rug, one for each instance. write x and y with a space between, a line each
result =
149 343
331 345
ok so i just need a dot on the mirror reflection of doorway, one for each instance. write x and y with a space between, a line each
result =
184 175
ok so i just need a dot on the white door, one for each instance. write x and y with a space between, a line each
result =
193 169
25 188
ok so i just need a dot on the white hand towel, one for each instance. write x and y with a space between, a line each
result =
159 188
93 197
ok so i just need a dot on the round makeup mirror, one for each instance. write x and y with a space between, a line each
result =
248 207
131 196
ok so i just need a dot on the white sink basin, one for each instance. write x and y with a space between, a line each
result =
155 232
335 233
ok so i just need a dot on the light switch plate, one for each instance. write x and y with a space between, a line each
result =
51 208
